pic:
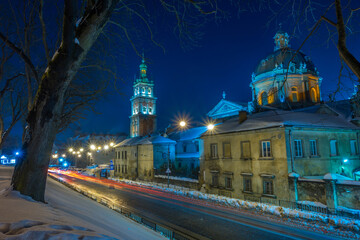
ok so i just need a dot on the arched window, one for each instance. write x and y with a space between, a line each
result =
313 95
263 98
271 97
294 94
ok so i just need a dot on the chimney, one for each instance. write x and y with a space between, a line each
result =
242 116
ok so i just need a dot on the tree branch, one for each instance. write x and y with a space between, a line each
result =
21 53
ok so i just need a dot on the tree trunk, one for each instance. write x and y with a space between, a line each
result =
30 172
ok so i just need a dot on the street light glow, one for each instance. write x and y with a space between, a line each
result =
71 149
89 153
182 124
99 148
79 155
92 147
111 144
81 149
106 147
63 155
210 126
17 153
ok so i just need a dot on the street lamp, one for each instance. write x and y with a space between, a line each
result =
92 147
111 144
106 147
71 149
210 126
81 149
63 155
182 124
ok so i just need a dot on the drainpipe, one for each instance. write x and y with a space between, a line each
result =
291 154
137 161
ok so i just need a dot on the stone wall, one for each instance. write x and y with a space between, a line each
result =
311 191
348 195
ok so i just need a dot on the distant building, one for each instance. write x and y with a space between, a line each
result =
145 153
143 157
143 105
188 149
87 149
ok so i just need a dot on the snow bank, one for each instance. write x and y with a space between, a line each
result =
68 215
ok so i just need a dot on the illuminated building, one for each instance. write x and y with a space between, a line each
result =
286 78
143 105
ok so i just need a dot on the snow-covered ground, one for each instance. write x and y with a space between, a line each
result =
68 215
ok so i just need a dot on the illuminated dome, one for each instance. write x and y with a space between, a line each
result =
285 78
281 58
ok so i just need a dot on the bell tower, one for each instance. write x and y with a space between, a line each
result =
143 105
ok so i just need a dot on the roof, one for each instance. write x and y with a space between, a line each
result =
282 57
145 140
226 108
281 118
189 134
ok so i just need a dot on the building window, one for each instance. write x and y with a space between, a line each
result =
268 186
125 155
197 146
184 147
228 183
215 180
294 94
313 95
227 150
353 147
247 184
313 148
298 148
333 148
271 97
265 149
245 150
263 98
213 150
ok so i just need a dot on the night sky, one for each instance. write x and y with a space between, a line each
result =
191 81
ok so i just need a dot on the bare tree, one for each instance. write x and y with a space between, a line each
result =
56 99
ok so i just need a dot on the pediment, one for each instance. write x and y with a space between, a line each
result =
225 109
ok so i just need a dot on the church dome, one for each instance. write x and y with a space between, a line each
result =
281 58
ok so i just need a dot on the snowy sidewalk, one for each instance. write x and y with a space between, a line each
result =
68 215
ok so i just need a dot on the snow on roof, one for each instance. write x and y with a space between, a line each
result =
145 140
189 134
281 118
336 176
294 175
156 140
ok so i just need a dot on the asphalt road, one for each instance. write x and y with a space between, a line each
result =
191 215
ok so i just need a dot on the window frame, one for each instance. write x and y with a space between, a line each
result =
353 146
215 183
214 154
247 186
226 156
268 149
298 149
336 148
242 150
311 148
228 182
265 186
